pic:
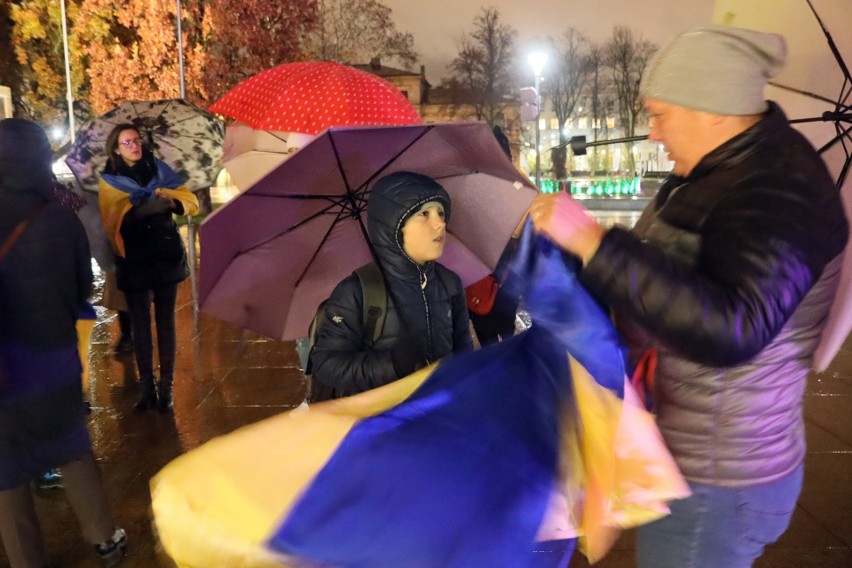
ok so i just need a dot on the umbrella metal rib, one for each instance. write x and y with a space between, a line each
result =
359 194
352 204
169 105
340 217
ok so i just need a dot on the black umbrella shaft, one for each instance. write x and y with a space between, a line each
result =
826 117
580 141
617 141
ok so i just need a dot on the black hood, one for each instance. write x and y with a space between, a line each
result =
25 159
393 200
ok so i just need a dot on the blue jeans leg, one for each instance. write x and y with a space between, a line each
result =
719 526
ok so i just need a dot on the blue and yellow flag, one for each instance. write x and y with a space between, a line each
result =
117 194
461 465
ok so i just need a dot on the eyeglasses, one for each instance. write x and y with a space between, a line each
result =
133 142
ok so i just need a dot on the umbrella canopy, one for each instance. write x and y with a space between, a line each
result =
311 96
187 138
251 154
815 90
270 256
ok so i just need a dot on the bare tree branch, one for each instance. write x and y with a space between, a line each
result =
358 31
626 56
482 70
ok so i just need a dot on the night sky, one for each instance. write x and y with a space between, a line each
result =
438 24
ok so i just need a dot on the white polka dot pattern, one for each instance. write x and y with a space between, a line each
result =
312 96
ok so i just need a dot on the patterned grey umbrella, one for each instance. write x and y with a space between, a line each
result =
186 137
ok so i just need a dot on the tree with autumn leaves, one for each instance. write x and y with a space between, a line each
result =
132 49
36 40
128 49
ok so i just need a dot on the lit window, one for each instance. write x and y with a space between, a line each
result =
542 124
597 123
610 122
554 124
582 123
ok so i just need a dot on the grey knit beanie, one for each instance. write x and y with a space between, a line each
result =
716 69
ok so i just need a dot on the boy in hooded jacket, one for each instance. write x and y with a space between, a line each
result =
427 316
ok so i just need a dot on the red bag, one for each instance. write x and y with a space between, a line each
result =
481 294
643 378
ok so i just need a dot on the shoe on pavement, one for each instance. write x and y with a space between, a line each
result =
49 480
113 551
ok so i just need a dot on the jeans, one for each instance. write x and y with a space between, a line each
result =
139 304
719 527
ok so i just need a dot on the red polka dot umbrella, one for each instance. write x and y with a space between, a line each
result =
312 96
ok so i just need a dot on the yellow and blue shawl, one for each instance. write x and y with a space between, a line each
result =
117 194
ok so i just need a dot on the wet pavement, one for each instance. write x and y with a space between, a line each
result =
224 380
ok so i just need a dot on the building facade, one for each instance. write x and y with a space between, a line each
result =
441 104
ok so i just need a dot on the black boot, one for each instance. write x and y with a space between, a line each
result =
125 342
148 400
166 402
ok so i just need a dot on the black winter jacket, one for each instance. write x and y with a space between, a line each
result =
429 323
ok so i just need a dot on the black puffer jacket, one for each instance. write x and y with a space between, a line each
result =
429 323
729 274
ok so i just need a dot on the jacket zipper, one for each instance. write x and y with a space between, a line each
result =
423 282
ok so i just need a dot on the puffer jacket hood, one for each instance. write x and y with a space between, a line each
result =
25 158
426 312
394 199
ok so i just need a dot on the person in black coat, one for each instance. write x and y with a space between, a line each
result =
45 278
138 196
427 315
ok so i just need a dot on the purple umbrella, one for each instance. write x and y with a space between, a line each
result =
270 256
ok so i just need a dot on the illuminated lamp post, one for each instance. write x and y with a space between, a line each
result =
538 61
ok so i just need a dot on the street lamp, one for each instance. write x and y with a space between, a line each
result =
69 94
538 60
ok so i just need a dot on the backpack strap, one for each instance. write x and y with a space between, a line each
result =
375 299
451 284
18 230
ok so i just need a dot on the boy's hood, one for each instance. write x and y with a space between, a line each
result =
392 201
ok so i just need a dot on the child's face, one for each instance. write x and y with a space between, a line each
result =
424 234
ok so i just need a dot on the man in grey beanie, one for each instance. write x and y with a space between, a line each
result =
728 275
